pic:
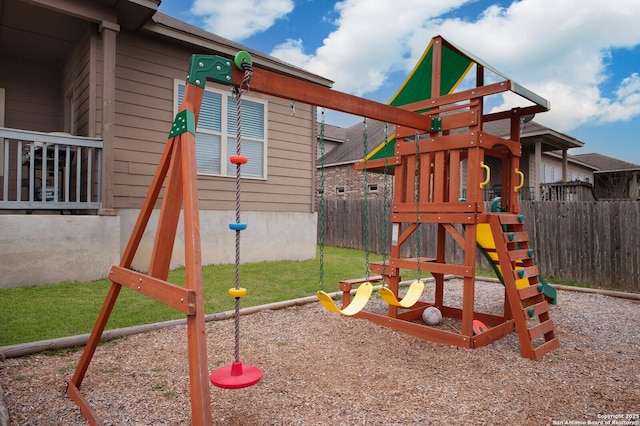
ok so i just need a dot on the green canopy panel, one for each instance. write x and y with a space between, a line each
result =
456 63
417 87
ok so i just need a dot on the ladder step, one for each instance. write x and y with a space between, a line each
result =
545 348
516 237
530 292
541 329
538 309
511 219
528 271
515 255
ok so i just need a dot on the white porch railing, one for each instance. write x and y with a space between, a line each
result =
49 171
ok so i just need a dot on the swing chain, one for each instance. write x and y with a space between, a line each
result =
321 201
385 206
365 148
417 200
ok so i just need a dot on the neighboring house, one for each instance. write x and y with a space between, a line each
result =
543 150
615 179
88 93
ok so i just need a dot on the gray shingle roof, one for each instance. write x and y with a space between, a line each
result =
352 148
605 163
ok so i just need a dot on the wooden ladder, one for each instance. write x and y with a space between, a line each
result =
529 306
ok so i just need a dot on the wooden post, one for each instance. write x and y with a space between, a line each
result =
178 166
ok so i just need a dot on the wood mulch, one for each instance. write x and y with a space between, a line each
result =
324 369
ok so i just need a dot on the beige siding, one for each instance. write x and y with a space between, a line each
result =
32 96
77 85
145 75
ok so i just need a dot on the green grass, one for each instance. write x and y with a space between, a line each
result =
71 308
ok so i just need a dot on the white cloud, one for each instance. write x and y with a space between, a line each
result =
558 49
627 102
370 41
239 19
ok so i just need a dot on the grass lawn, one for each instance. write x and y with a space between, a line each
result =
70 308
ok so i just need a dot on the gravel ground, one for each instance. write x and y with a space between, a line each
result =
324 369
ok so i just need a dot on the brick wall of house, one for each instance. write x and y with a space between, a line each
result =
347 183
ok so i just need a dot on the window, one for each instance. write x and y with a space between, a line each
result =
339 190
551 174
216 134
373 187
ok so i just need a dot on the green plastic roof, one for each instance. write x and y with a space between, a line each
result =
417 87
456 63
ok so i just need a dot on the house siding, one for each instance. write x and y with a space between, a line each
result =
32 95
145 75
77 83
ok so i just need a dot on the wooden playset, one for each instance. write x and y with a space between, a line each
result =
438 135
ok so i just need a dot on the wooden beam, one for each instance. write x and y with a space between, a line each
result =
282 86
170 294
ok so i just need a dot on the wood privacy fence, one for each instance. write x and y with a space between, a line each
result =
595 243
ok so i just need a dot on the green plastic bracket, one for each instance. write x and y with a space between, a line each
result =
540 288
185 121
531 312
520 218
511 236
521 273
436 124
530 252
212 67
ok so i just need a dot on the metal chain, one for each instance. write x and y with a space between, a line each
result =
321 202
417 200
237 94
385 206
365 148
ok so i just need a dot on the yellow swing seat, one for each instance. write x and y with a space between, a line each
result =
410 298
358 302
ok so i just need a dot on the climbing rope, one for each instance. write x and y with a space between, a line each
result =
236 375
239 160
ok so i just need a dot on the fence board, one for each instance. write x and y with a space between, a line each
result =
592 242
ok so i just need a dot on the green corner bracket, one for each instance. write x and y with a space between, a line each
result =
212 67
185 121
436 124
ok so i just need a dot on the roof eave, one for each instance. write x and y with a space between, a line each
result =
167 26
568 141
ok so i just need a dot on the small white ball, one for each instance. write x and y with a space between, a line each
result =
432 316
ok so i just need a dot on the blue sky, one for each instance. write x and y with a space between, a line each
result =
582 55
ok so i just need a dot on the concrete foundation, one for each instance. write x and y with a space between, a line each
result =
45 249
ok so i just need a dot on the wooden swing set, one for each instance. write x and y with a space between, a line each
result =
428 163
427 189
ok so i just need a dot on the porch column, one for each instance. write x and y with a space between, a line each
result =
108 30
538 167
564 165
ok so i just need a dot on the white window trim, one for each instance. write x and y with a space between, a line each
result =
224 133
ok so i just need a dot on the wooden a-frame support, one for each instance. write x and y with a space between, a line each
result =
177 170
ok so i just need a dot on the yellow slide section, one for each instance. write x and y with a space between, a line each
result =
484 238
